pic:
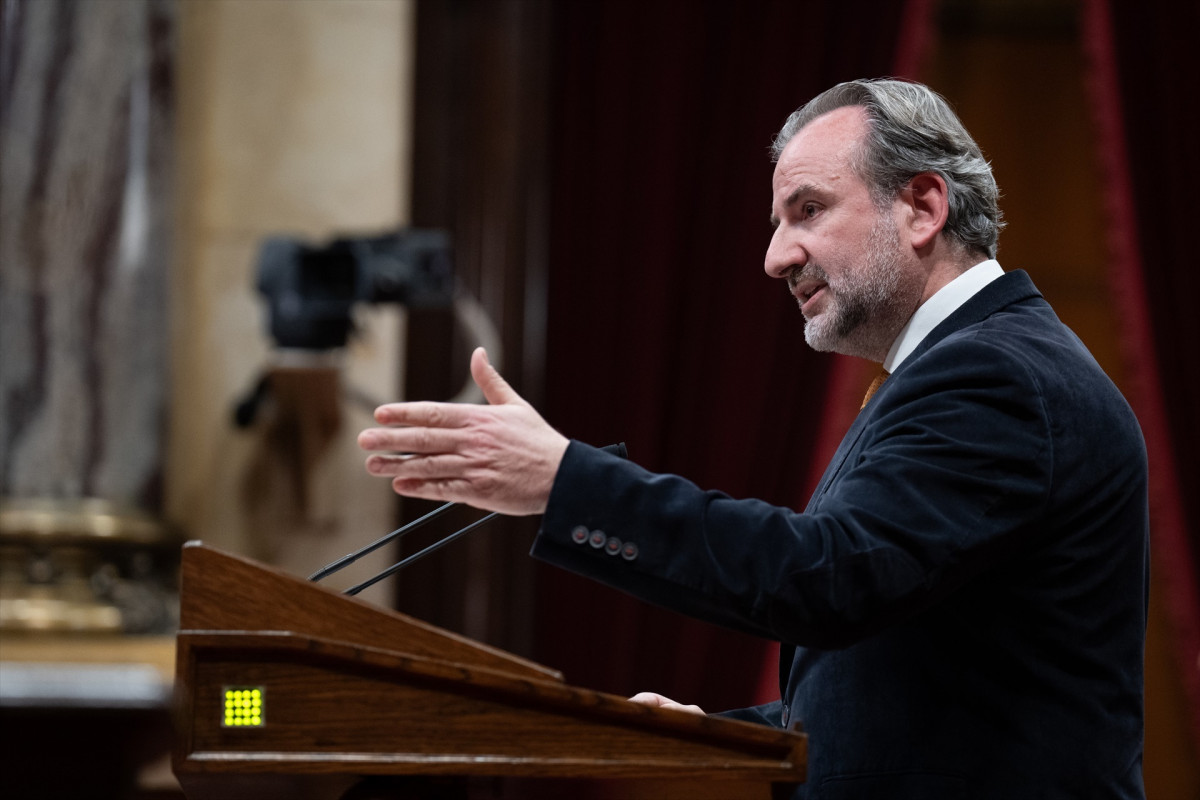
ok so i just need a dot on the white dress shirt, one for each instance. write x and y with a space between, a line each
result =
943 303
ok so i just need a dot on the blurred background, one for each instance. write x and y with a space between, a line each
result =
229 228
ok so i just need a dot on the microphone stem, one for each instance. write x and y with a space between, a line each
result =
418 555
349 559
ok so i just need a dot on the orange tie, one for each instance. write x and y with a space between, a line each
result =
874 387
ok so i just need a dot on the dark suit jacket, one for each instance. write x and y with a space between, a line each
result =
962 605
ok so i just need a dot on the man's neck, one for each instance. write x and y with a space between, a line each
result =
941 304
949 260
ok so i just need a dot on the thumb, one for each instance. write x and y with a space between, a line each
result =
495 389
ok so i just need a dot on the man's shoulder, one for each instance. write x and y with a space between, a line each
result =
1012 345
1008 322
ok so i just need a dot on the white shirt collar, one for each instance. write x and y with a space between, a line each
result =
943 303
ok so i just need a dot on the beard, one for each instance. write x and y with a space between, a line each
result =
867 305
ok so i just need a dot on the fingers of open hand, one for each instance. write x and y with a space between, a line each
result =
408 440
443 490
447 478
479 486
425 414
456 464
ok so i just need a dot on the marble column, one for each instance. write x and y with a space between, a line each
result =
85 209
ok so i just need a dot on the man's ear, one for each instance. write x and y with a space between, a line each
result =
927 206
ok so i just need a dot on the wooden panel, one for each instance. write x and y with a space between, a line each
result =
329 706
226 592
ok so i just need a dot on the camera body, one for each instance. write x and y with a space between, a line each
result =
311 291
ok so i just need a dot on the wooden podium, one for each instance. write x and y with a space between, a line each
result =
348 690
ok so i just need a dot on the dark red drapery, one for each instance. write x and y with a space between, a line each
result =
663 331
1144 80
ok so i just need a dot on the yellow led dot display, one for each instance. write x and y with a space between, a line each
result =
244 707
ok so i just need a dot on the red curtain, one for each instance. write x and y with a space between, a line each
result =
663 331
1144 90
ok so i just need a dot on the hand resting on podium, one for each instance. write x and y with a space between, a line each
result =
658 701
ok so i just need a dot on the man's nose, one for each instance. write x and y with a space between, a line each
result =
783 255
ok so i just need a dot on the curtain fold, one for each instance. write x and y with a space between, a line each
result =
663 331
1143 89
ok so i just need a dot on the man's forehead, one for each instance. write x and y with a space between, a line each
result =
833 135
822 148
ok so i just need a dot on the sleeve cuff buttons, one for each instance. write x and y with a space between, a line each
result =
601 541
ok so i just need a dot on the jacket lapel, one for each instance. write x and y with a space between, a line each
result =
1012 287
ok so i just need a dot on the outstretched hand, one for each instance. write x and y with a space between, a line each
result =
499 457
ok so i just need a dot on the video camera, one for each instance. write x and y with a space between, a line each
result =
311 291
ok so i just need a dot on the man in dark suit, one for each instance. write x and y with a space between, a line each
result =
961 606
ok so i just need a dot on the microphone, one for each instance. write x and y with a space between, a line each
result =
618 450
350 558
394 568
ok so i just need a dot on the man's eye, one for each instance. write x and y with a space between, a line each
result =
810 209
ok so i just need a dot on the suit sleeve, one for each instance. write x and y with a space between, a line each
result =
944 477
768 714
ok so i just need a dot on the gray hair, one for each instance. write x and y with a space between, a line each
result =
912 129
